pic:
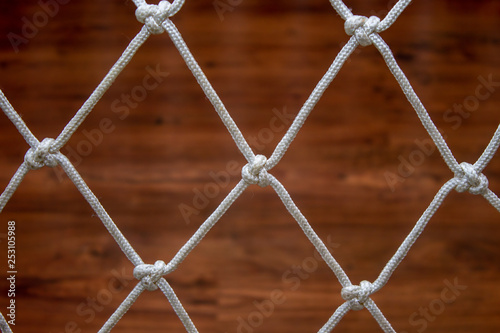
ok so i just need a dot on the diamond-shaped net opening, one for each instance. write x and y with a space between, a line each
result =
364 32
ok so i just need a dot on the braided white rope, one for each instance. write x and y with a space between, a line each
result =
4 327
208 89
156 20
96 95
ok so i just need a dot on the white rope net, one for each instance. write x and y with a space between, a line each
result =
156 19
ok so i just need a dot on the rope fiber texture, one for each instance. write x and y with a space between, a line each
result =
363 31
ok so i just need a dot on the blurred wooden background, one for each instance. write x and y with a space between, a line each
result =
156 152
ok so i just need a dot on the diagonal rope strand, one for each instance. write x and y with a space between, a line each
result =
393 14
16 119
96 95
176 6
379 317
414 234
335 318
209 91
177 306
123 308
98 209
207 225
492 199
139 3
489 152
309 232
14 183
4 327
311 102
364 31
341 9
416 103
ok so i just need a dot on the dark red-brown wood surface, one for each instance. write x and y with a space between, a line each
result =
361 169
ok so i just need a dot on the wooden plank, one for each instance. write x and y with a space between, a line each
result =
155 154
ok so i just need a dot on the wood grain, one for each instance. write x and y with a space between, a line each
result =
263 58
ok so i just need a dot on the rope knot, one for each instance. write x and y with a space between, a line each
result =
40 156
357 295
471 180
150 274
361 27
153 16
255 172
